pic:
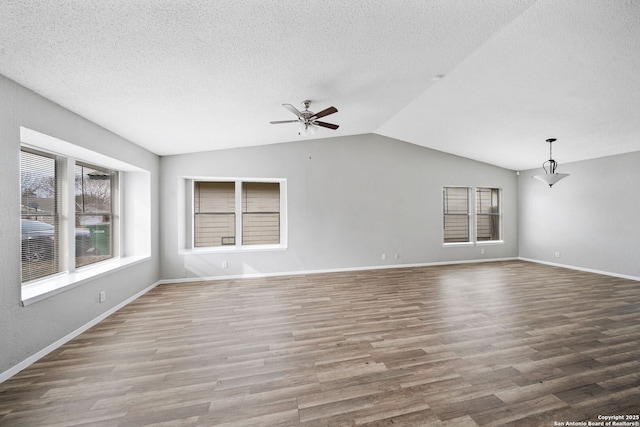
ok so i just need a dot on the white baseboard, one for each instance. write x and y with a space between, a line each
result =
330 270
48 349
588 270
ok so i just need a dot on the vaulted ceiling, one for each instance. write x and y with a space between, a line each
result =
489 80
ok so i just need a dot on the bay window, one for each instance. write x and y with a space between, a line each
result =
52 244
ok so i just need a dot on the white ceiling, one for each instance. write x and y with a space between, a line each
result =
177 76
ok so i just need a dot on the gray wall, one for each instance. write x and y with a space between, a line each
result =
350 199
590 217
24 331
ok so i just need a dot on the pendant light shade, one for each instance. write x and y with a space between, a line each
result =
550 176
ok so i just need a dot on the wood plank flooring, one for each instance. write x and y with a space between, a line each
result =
491 344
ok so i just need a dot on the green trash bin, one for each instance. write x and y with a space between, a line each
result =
100 238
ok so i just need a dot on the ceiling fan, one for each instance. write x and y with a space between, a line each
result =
308 119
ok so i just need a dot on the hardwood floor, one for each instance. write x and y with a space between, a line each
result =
492 344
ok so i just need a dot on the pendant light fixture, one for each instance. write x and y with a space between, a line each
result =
550 176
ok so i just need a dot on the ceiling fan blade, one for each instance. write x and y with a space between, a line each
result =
325 124
293 109
277 122
325 112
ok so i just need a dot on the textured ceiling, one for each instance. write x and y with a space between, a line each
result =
194 75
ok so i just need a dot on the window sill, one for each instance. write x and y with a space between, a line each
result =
232 249
490 242
35 291
482 243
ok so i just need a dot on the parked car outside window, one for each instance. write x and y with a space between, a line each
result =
38 241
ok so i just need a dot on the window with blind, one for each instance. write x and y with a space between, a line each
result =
53 243
93 216
39 218
472 216
488 214
456 214
236 213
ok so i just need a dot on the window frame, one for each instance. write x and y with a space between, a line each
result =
114 217
472 194
470 231
231 213
238 246
249 200
497 215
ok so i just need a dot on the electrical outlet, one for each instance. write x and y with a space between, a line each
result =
102 296
557 254
384 256
225 264
397 256
481 251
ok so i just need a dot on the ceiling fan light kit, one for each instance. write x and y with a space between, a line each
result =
306 129
308 120
550 176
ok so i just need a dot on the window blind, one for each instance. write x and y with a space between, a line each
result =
39 221
487 214
260 213
456 214
214 211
